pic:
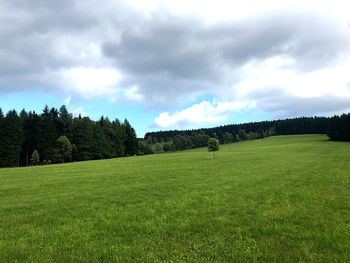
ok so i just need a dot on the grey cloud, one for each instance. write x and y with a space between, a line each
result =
283 105
186 50
314 42
39 34
173 42
172 59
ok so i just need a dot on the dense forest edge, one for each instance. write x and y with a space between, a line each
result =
337 128
54 136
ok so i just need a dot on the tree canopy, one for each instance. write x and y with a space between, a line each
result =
213 145
59 137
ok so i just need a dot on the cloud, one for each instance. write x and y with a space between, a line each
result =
79 111
201 114
67 100
168 54
133 95
91 82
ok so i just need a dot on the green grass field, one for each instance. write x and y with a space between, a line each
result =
280 199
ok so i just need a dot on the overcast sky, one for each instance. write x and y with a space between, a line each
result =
176 64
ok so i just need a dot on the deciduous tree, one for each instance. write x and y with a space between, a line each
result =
213 145
64 148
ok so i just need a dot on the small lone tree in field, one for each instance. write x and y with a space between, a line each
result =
213 145
35 159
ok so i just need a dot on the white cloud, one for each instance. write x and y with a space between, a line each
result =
276 73
167 53
114 99
132 94
67 100
201 114
91 82
79 110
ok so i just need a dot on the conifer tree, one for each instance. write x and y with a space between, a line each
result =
35 158
47 133
11 137
65 122
83 136
2 138
131 143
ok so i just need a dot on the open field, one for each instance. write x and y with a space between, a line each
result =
282 199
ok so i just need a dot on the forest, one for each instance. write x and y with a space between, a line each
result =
54 136
339 128
336 127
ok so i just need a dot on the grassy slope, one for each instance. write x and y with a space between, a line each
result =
283 198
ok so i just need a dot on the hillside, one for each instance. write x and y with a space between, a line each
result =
282 198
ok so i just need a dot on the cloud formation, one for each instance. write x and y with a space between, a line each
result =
167 55
286 61
201 114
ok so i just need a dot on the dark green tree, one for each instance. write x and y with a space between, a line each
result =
339 128
213 145
65 122
101 145
119 138
2 136
242 135
169 146
144 148
90 139
228 137
131 143
48 133
158 148
64 148
12 137
83 138
30 124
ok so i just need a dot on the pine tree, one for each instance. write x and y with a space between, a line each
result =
83 136
35 159
2 138
131 143
119 138
65 122
48 133
101 146
12 138
30 124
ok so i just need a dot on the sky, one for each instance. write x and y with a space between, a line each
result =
176 64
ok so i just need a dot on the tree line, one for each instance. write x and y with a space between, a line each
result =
54 136
303 125
339 128
336 127
184 141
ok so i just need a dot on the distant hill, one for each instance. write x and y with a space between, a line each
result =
337 128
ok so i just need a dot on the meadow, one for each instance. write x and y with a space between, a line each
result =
278 199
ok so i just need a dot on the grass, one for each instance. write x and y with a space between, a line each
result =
280 199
